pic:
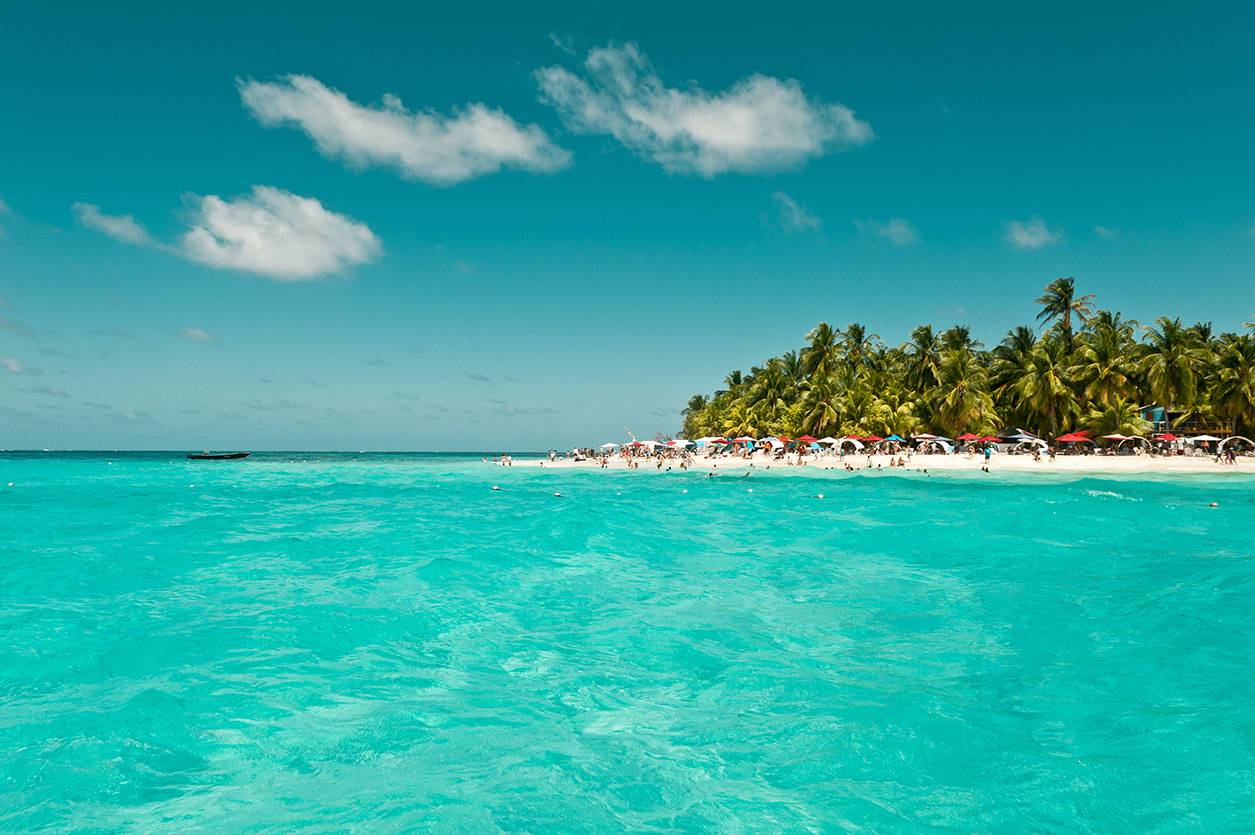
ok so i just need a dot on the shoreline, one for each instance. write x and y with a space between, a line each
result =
946 464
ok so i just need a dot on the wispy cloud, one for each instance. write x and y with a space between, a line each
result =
15 327
276 234
4 210
896 230
503 407
47 391
792 216
119 227
1106 232
271 405
1030 234
377 362
440 149
760 123
116 333
197 335
14 366
477 377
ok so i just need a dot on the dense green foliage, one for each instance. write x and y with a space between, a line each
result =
1088 369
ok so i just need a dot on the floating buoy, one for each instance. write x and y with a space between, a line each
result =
495 487
819 496
557 495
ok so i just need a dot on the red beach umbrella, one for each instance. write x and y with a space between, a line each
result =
1167 436
873 438
968 436
989 438
807 439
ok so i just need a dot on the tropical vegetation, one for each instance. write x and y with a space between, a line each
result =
1088 368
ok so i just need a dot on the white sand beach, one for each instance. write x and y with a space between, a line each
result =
1063 464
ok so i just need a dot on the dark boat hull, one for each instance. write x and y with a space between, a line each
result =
217 456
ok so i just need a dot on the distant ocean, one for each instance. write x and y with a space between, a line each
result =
384 642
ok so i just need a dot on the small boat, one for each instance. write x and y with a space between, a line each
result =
217 456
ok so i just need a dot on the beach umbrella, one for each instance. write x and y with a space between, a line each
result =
924 436
745 439
873 438
895 437
1116 437
828 440
1203 438
990 439
1167 436
610 445
807 439
968 436
635 444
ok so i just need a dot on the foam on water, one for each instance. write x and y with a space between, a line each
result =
387 642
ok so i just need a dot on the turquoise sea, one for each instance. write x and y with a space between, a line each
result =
385 643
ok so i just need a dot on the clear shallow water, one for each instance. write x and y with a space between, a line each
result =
330 641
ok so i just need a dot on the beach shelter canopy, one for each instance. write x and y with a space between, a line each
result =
679 442
746 440
1236 439
854 442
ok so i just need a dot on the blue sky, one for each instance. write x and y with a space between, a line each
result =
487 227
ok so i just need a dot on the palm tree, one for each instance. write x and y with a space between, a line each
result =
1120 416
1104 364
1060 302
856 342
1043 389
959 338
821 356
821 406
1010 359
924 353
1171 363
961 398
1233 390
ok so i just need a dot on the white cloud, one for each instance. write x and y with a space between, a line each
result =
4 210
197 335
11 364
120 227
276 234
759 123
1031 234
898 231
791 215
473 141
1106 232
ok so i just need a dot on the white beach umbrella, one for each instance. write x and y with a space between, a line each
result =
1203 438
828 440
679 442
611 445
